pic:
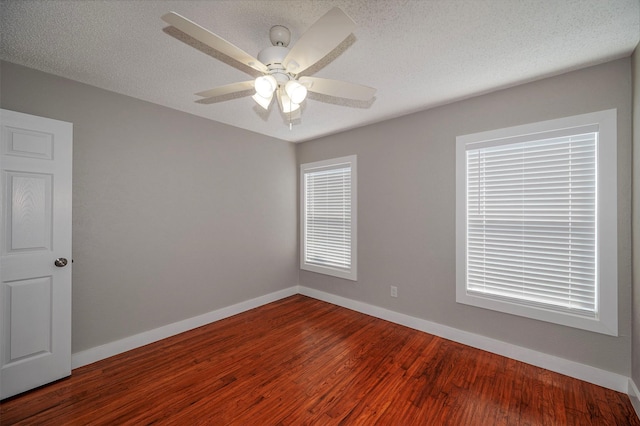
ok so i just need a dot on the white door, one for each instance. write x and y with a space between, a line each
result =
35 272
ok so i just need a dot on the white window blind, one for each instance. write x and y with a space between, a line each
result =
328 218
531 221
537 221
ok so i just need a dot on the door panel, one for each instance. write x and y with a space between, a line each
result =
29 303
26 143
29 223
35 294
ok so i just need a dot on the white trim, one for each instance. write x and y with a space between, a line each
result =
569 368
352 272
107 350
606 320
634 396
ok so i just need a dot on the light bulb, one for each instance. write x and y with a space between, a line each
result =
296 91
265 85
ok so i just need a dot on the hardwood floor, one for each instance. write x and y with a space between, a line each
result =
301 361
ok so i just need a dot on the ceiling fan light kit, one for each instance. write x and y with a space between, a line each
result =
281 67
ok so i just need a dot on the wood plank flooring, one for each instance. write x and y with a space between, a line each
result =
300 361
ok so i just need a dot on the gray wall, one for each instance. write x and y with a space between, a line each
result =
635 354
406 209
173 215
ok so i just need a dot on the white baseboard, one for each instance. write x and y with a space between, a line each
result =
634 396
98 353
584 372
569 368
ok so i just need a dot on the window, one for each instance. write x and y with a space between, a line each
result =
328 217
536 224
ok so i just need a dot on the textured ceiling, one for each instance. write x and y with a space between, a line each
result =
417 54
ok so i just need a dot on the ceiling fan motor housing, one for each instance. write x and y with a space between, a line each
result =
272 57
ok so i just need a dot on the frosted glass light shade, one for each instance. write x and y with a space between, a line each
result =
289 107
262 101
286 104
265 85
296 91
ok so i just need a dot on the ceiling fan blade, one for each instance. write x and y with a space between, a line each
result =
337 88
227 89
323 36
212 40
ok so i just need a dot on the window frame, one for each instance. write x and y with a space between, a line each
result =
606 318
352 272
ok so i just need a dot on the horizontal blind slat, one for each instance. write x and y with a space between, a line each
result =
328 217
531 221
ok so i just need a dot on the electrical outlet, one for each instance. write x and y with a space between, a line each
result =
394 291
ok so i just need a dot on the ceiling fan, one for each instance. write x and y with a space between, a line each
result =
282 67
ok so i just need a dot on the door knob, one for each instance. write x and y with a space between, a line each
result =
60 262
